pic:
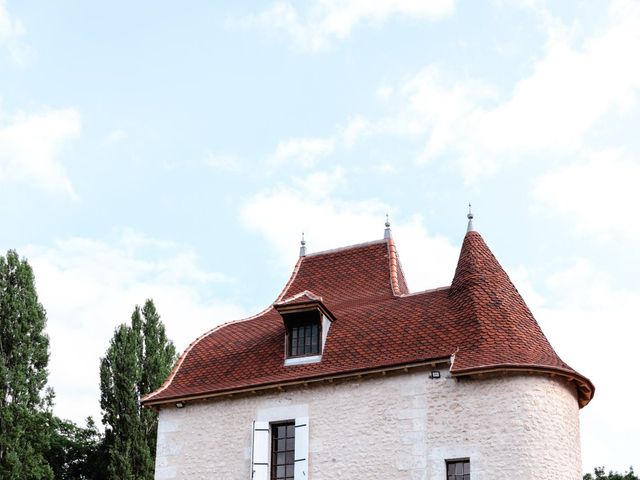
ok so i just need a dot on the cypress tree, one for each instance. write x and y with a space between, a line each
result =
138 360
25 418
157 360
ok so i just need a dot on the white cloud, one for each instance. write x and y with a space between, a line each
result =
11 30
384 91
89 287
599 197
30 148
116 136
328 222
225 162
320 184
357 127
570 89
326 21
304 152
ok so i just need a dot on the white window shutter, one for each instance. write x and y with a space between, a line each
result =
301 469
260 451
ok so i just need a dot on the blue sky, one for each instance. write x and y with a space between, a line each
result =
178 151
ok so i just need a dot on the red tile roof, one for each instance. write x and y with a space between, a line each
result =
480 322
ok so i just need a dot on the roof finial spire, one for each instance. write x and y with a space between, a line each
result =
387 228
470 217
303 247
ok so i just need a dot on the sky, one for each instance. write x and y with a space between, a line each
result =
177 151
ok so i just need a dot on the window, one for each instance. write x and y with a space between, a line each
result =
458 469
280 449
304 340
306 323
283 445
303 333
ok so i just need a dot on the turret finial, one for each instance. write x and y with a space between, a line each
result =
470 217
303 246
387 229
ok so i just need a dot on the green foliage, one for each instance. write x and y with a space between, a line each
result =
599 474
25 420
157 359
138 360
76 453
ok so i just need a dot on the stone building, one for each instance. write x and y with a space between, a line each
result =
348 375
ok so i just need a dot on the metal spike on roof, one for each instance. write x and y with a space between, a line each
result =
470 217
303 247
387 229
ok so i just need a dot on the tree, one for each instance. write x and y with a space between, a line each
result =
138 360
157 357
25 420
600 474
76 453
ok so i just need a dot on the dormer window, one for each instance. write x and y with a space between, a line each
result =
304 332
306 322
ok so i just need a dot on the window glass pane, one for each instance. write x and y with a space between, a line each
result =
451 468
282 451
459 469
304 339
467 477
467 468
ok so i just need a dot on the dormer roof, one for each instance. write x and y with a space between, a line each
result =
480 324
304 300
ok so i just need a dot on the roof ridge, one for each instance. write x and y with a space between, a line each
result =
348 247
398 280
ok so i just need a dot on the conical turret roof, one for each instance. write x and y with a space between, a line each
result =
501 332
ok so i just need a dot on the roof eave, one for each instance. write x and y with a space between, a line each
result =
585 387
150 402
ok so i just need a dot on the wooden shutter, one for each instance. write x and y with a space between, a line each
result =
260 451
301 469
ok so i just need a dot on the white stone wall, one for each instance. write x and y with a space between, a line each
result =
401 426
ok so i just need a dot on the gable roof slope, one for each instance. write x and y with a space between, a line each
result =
480 322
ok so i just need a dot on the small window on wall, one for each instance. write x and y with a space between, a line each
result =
283 445
280 450
458 469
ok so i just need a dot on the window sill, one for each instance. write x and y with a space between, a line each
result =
302 360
